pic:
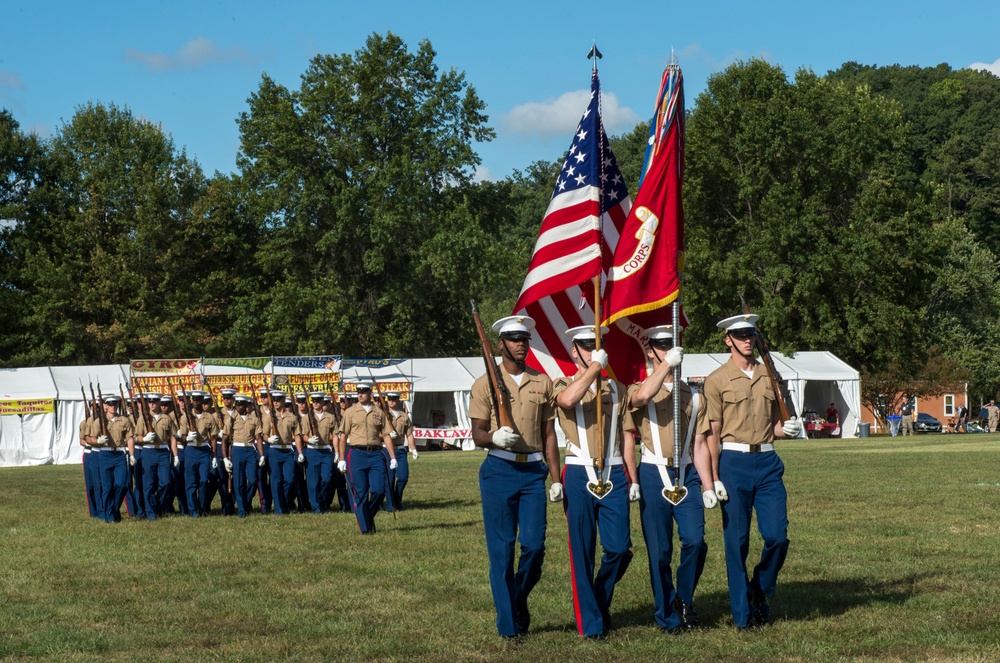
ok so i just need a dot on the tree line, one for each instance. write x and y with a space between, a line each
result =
856 211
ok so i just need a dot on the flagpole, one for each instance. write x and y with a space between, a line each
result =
599 461
673 66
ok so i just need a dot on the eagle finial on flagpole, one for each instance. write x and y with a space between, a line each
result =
594 53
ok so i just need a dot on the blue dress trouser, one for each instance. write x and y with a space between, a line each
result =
178 484
155 478
658 516
244 478
197 465
114 474
281 463
514 503
586 515
399 477
135 500
92 483
264 491
319 470
218 482
754 482
339 491
366 472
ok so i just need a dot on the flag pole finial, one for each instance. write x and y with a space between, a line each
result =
594 53
673 62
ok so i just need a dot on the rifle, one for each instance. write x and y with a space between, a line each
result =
765 356
313 424
336 403
139 403
88 404
498 390
187 412
128 408
147 417
100 411
173 403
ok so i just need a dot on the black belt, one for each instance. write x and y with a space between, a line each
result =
367 447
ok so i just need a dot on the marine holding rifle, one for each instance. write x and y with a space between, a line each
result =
743 413
597 490
513 415
158 451
367 430
669 487
110 434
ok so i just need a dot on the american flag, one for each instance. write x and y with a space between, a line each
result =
577 239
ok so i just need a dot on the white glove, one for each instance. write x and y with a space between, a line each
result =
261 461
274 439
720 491
228 464
792 427
131 461
301 459
104 440
393 464
709 498
634 493
413 452
177 461
342 466
215 463
674 357
555 492
149 437
313 440
393 435
505 437
192 436
600 356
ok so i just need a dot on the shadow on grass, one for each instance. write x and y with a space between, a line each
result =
443 503
793 601
413 528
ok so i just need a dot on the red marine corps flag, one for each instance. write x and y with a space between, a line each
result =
576 240
645 273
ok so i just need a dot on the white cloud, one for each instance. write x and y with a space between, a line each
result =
556 117
194 54
482 174
10 80
992 68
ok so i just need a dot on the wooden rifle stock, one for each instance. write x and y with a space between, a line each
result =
765 356
173 403
99 399
498 390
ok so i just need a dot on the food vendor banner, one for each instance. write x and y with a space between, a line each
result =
318 362
328 383
27 406
403 387
241 382
253 363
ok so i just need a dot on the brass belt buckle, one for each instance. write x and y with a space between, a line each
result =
755 448
521 458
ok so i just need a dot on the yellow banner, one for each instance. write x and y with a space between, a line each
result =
242 383
328 383
402 387
27 406
165 384
179 366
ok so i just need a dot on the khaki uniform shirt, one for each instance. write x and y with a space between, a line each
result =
119 430
326 427
567 417
637 418
205 424
285 425
364 428
87 429
401 424
161 424
532 405
747 408
243 429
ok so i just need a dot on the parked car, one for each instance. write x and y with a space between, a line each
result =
927 424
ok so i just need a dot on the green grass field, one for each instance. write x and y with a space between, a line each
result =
895 556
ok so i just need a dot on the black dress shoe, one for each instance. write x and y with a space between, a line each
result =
687 615
522 619
760 609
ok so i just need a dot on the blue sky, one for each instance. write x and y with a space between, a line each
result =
190 66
